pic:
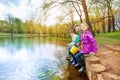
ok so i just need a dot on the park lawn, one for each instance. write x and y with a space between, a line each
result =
108 38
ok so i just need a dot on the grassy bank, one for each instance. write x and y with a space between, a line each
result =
15 35
108 38
102 38
32 35
21 35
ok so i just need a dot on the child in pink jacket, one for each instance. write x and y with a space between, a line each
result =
87 45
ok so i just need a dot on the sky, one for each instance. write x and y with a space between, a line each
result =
21 9
17 8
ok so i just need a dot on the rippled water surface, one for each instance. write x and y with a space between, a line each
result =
31 58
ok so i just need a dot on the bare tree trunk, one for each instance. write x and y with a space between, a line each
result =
109 23
103 25
11 30
95 27
98 29
86 14
113 23
103 21
109 15
78 11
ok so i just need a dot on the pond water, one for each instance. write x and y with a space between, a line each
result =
31 58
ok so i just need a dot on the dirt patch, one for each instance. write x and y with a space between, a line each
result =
110 57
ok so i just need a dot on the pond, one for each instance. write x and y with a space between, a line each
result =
31 58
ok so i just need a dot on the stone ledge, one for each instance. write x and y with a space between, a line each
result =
96 71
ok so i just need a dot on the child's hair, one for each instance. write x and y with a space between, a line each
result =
76 25
85 24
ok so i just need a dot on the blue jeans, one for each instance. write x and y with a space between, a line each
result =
80 58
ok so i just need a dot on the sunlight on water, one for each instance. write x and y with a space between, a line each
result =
33 62
3 54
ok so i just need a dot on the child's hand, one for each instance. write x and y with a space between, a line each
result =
68 44
78 43
92 53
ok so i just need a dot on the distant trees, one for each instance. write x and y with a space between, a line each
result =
10 20
29 26
106 12
3 25
101 16
18 24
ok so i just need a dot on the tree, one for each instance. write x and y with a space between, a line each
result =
29 26
86 13
78 10
18 24
109 7
98 11
10 20
3 26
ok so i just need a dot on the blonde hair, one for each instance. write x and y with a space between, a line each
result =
85 24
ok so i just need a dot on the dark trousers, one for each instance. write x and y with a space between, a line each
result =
80 58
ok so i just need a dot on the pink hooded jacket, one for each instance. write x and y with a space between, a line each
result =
89 43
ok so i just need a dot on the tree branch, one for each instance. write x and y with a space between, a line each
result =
59 3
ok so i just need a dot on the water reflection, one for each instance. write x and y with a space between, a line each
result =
31 58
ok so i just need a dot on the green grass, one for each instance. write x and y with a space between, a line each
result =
18 35
15 35
102 38
108 38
